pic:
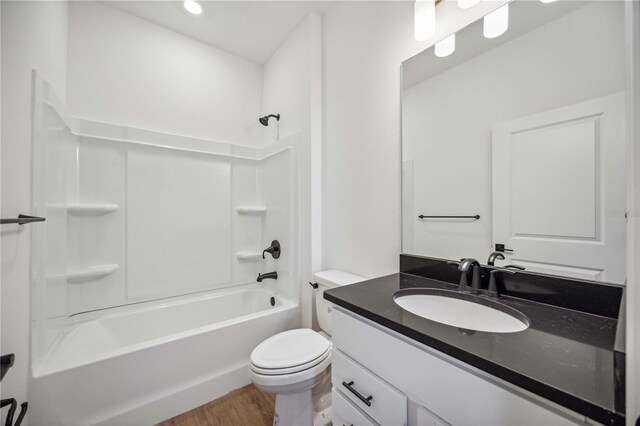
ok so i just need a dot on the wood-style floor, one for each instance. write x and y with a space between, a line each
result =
247 406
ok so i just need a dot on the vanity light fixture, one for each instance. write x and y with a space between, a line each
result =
446 47
193 7
497 22
548 1
424 15
467 4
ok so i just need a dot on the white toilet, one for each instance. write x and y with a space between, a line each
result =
295 364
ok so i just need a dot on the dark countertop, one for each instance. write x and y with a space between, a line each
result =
566 356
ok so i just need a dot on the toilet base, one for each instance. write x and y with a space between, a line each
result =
294 409
304 403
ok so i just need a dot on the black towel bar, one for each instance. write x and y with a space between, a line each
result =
22 219
6 362
476 217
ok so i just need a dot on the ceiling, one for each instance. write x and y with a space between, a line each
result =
250 29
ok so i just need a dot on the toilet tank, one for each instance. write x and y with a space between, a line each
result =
327 280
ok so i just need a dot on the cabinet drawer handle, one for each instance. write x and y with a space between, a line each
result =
349 386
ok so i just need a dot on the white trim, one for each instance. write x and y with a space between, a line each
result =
632 17
311 214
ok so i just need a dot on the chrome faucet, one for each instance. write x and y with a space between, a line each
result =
467 263
493 256
268 275
464 266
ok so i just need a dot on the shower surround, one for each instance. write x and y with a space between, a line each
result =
146 267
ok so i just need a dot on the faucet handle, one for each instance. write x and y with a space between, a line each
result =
273 249
493 287
518 267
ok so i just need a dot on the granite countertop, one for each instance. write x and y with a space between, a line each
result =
566 355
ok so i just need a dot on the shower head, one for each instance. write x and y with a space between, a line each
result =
265 120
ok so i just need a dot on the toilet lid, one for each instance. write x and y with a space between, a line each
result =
290 349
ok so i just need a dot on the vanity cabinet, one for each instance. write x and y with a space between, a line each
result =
382 377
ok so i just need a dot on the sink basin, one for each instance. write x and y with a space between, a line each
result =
462 310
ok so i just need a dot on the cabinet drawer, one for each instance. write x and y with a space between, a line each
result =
375 397
345 414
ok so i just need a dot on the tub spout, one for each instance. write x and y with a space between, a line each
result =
268 275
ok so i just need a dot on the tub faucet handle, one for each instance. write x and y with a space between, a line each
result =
273 249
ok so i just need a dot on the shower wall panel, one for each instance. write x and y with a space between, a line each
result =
179 223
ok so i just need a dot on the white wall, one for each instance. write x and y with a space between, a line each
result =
34 35
291 87
364 45
578 64
131 72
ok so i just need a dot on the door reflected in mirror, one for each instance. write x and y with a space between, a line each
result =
517 143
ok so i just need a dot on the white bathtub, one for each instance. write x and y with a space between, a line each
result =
145 363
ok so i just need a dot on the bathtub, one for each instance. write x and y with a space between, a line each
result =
144 363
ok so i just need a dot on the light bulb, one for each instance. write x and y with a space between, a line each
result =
497 22
466 4
193 7
446 47
424 14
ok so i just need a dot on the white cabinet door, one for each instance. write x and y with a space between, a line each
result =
559 190
431 379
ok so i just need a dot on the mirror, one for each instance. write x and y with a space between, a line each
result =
517 143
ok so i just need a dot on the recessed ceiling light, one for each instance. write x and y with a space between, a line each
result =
193 7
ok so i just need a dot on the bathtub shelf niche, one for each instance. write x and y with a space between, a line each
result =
90 272
251 210
85 209
249 255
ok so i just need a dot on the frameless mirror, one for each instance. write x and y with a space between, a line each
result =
517 143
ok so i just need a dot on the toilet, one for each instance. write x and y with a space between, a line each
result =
294 364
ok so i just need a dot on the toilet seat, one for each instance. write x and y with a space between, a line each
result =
292 369
290 357
292 382
301 347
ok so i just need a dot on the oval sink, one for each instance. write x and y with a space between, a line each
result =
462 310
